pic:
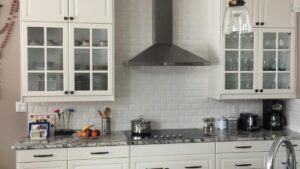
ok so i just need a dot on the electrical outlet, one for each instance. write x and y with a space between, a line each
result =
21 107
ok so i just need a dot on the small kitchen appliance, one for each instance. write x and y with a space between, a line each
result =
273 115
248 122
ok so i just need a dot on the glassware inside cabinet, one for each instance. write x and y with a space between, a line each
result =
247 81
247 61
100 38
54 36
269 40
284 60
36 59
284 40
269 80
54 59
100 59
35 36
231 60
55 81
232 41
36 82
231 81
82 37
284 80
269 61
82 81
247 41
82 59
100 81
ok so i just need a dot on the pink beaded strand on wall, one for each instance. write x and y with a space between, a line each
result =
9 24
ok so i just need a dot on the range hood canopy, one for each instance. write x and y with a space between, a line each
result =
163 52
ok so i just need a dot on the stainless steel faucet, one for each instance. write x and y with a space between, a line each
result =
291 158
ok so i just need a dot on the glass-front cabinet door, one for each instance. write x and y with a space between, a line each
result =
45 47
240 60
277 61
90 59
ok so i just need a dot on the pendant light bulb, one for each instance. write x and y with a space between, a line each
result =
237 18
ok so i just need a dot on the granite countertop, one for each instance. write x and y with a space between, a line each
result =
114 139
119 138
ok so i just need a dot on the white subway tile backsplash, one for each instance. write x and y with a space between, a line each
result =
171 97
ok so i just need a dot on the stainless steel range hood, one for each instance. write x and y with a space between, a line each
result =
163 52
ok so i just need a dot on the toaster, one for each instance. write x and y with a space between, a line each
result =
248 122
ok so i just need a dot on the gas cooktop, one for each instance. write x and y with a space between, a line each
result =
167 134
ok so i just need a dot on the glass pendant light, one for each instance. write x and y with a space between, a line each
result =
237 18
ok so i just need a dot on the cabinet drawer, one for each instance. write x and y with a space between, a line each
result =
172 149
98 152
296 144
42 155
241 160
241 146
280 161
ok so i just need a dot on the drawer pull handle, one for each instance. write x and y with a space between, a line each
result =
193 166
97 153
284 163
294 145
243 165
43 155
243 146
156 168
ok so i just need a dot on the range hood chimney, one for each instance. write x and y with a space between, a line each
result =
163 52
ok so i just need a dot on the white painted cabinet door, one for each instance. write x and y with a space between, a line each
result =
43 165
91 11
44 10
241 160
91 59
121 163
44 58
277 61
277 14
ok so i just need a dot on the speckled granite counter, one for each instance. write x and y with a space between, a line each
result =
119 138
114 139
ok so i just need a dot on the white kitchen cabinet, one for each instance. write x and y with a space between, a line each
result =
264 13
67 61
91 11
43 165
204 161
241 160
117 163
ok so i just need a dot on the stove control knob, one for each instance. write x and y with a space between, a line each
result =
168 136
156 136
162 136
180 136
174 136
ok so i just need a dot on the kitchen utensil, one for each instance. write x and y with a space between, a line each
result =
208 124
140 127
107 112
232 123
248 122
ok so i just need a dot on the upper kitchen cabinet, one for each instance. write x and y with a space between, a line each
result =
83 11
257 65
265 13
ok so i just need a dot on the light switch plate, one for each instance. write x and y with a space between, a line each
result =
21 107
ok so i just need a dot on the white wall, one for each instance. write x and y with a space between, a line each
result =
172 97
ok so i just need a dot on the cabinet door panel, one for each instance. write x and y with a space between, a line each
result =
241 160
43 165
270 15
45 58
91 59
91 11
122 163
277 61
44 10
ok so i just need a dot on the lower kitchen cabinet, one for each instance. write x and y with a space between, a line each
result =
43 165
205 161
241 160
117 163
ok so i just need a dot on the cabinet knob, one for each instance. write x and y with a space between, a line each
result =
257 23
261 90
72 92
71 18
262 23
66 92
65 18
256 90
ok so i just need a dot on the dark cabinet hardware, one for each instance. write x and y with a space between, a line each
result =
193 166
261 90
243 146
65 18
156 168
43 155
294 145
72 92
257 23
243 165
256 90
1 5
262 23
66 92
71 18
99 153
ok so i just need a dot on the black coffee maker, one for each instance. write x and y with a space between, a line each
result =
273 115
